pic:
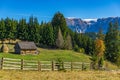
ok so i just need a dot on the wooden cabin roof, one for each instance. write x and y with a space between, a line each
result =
27 45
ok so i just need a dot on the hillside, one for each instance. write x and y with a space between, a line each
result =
53 54
49 55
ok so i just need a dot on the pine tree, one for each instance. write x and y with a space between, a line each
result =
10 26
33 27
2 30
7 27
68 42
14 24
59 21
100 34
36 31
47 35
84 42
112 40
59 40
22 30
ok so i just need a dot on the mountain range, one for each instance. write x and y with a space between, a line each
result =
90 25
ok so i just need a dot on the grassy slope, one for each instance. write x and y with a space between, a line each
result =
45 55
49 55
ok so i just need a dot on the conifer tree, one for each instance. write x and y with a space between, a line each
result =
2 30
47 35
59 40
68 42
10 25
59 21
100 34
112 40
22 30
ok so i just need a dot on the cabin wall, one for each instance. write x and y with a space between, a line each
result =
28 51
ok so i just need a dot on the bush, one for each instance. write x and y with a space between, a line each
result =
82 50
83 66
76 48
60 64
101 63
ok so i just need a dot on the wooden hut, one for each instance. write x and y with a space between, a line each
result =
25 48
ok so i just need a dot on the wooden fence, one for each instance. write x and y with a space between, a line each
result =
20 64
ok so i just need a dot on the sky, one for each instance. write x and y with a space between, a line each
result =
44 10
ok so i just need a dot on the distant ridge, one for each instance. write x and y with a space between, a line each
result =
90 25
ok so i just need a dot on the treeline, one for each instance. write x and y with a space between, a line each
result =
56 34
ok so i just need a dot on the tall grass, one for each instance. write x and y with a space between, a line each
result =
71 75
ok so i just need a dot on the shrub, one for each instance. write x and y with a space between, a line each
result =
82 50
60 64
76 48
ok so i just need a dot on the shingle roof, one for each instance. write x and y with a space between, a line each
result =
27 45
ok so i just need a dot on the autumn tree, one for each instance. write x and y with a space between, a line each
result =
98 54
99 47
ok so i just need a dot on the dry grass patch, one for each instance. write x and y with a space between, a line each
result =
50 75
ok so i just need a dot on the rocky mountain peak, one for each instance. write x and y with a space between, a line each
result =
90 25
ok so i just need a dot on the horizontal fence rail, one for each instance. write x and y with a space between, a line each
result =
21 64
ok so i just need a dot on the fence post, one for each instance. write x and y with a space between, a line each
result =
90 66
39 66
71 65
2 63
83 66
63 67
53 66
21 64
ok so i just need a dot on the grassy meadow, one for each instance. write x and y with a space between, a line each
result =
51 75
48 55
52 55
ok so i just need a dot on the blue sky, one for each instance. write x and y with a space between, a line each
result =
45 9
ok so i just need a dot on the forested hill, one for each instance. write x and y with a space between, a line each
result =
56 34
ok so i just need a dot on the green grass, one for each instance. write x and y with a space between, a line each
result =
53 55
49 55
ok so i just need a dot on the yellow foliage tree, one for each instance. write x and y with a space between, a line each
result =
99 53
99 47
